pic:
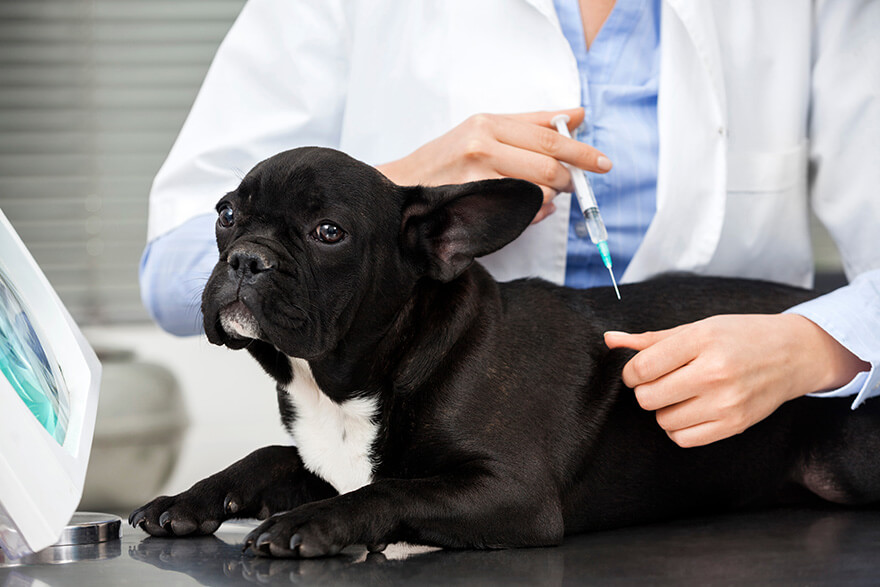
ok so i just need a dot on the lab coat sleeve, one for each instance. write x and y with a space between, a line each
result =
278 81
173 272
844 129
851 315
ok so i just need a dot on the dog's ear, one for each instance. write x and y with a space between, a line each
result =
445 227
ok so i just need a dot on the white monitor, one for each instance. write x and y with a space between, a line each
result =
49 380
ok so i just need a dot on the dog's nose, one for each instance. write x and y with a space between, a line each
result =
245 262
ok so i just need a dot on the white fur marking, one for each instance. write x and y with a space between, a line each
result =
237 320
333 440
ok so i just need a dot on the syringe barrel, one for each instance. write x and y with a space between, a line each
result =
582 189
595 225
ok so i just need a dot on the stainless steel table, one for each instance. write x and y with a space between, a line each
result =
793 546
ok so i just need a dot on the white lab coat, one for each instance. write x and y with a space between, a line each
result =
761 102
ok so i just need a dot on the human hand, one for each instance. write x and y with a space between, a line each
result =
488 146
714 378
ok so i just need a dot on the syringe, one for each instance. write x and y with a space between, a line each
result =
587 201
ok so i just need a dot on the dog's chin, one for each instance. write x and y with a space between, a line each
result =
238 322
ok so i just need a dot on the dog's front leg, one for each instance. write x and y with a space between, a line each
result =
455 511
269 480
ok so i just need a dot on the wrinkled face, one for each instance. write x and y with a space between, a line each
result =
315 246
308 237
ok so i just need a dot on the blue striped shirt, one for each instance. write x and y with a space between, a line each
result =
619 77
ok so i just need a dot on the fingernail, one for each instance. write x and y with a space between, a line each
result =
603 163
616 332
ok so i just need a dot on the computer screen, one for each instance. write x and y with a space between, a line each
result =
48 399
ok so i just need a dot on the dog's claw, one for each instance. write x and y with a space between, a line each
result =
295 541
230 505
136 518
248 542
262 540
165 521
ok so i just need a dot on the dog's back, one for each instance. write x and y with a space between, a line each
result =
618 466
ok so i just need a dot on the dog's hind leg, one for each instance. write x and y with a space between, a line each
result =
842 464
267 481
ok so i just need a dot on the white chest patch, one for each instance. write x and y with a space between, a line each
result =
333 439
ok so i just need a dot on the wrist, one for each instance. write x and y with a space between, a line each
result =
395 171
413 169
828 364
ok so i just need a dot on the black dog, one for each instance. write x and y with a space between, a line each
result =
431 404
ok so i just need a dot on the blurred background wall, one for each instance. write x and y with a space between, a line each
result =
92 95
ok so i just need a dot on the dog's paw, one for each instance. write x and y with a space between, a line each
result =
182 515
305 532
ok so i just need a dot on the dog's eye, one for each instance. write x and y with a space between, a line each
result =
329 233
226 217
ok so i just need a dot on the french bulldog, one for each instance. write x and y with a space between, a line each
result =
429 403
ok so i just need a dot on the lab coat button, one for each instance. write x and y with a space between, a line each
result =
722 131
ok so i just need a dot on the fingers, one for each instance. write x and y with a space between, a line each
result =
636 342
699 435
692 423
547 141
665 391
523 146
545 211
701 420
537 168
686 414
688 421
544 117
660 353
714 378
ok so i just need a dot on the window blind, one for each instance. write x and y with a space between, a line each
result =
92 95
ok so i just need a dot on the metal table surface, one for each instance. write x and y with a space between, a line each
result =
800 546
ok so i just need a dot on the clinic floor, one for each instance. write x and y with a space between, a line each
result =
795 546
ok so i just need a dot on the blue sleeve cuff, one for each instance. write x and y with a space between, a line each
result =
851 315
173 271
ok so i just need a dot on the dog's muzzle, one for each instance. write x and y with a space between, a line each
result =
238 321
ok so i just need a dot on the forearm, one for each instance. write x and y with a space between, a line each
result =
173 272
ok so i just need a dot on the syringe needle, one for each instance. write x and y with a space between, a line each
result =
614 283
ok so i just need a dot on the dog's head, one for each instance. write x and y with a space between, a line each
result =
313 241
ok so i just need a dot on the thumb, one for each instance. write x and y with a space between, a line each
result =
637 342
